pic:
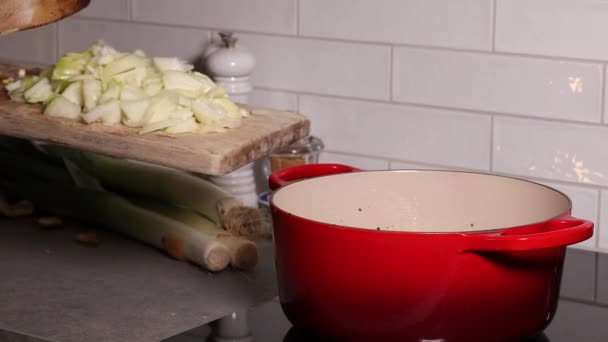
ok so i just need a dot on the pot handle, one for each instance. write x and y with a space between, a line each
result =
566 230
284 176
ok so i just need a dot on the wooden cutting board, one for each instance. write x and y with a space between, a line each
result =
19 15
212 153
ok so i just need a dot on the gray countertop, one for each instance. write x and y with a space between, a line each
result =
56 289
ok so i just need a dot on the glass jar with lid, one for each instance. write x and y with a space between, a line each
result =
304 151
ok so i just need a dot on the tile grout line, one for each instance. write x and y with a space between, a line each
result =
369 43
375 158
391 74
598 219
460 110
596 278
588 249
297 17
582 301
603 95
130 6
385 161
494 26
57 39
491 143
438 165
597 245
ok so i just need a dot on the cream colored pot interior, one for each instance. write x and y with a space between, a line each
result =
421 201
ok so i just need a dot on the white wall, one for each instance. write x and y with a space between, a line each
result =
508 86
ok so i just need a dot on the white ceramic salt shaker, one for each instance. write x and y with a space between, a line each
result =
230 65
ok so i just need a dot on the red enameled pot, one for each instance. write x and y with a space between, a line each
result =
409 255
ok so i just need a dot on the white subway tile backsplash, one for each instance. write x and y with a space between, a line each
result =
340 62
37 46
457 24
271 16
578 275
602 280
556 28
517 85
584 205
399 165
605 94
186 43
274 99
551 150
400 132
602 228
363 163
321 67
106 9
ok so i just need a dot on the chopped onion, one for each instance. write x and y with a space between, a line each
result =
183 126
39 92
129 88
62 107
74 93
134 111
107 110
157 126
13 86
91 90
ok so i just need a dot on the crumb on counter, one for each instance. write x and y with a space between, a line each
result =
88 238
50 221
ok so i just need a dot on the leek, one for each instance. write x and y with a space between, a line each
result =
169 186
181 232
51 188
118 214
70 65
243 252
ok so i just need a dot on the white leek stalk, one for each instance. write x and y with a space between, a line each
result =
243 252
114 212
169 186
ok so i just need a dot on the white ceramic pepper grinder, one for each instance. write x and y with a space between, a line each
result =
230 65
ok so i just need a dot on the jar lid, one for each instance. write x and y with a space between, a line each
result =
310 144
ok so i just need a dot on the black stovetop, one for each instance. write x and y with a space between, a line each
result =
574 321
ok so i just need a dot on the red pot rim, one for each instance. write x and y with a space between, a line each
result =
397 232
